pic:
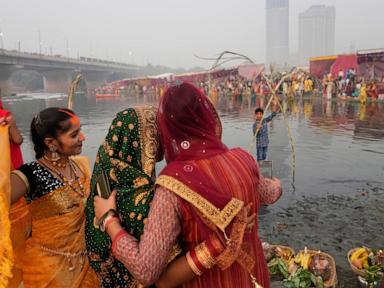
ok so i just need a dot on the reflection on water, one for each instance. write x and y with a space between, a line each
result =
338 144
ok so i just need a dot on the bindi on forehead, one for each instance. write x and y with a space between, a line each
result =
75 121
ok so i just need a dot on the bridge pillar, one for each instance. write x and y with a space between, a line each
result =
5 82
57 81
94 79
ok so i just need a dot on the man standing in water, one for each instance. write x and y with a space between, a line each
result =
260 129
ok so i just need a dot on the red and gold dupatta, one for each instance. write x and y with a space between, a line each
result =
191 134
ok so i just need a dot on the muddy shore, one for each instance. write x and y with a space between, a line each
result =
334 224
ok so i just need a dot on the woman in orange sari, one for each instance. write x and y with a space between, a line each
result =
56 187
201 199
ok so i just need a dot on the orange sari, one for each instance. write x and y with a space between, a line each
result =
20 231
55 254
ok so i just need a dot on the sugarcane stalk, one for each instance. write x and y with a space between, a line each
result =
72 90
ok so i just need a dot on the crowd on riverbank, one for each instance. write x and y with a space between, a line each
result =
350 86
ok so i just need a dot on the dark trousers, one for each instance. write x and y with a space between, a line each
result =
262 153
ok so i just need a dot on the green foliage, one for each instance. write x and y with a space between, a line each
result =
277 266
302 279
373 275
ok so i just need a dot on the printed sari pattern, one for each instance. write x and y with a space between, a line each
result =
128 156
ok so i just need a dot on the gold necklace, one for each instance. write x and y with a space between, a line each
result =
55 162
79 188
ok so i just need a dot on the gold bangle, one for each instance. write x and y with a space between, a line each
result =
204 256
192 264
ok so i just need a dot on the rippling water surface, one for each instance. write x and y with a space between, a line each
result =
337 144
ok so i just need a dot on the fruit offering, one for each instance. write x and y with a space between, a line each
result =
367 263
307 269
359 258
278 257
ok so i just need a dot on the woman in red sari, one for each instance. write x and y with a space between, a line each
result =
200 200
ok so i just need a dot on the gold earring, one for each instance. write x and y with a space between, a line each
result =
54 155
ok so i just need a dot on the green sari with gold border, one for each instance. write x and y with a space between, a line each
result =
128 155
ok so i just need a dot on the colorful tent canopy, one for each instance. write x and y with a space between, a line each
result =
344 63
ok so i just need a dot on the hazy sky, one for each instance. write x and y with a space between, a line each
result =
169 32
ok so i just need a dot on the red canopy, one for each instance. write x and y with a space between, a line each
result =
321 65
344 63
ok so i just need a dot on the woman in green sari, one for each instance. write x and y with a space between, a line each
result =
128 156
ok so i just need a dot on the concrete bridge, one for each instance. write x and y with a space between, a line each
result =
58 71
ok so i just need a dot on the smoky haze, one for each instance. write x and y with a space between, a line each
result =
170 32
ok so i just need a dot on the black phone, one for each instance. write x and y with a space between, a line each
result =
103 187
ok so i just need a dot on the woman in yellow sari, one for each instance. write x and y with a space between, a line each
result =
56 187
363 93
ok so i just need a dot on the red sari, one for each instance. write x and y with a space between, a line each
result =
213 184
16 156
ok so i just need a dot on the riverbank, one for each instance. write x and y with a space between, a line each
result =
334 224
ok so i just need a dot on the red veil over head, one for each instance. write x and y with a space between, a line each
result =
191 130
189 124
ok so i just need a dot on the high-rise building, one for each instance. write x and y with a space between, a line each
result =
277 31
316 32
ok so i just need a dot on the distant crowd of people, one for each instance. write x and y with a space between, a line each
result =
350 85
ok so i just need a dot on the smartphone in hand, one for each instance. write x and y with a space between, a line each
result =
103 187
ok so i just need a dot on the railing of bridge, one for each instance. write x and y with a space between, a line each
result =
60 58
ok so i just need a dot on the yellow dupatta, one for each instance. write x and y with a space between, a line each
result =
6 254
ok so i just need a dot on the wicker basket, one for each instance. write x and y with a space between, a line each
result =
284 248
278 277
357 271
332 281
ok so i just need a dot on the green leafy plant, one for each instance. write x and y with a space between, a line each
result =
277 266
373 275
303 279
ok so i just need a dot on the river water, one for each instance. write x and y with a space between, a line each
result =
333 199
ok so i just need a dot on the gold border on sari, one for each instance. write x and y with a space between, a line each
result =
147 122
220 218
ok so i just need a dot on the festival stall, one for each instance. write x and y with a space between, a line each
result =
371 64
344 63
319 66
